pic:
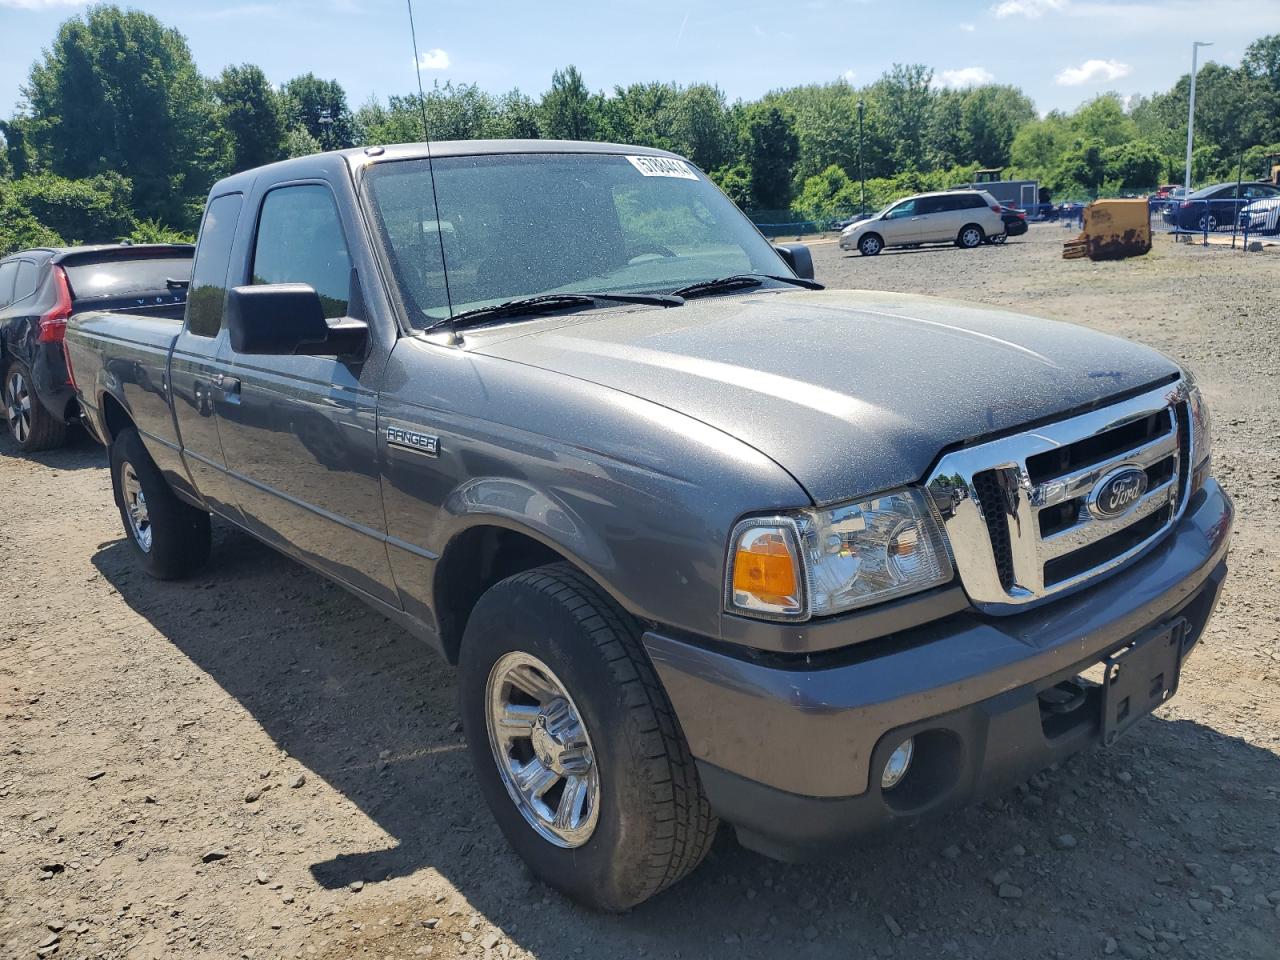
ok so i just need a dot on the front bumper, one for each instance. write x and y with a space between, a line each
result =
786 748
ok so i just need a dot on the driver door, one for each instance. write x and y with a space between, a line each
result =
900 225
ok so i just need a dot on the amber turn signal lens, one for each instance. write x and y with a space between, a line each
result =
765 569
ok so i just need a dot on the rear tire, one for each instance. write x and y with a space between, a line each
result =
643 822
31 426
870 245
970 236
171 538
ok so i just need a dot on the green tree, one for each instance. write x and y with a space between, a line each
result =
828 194
19 229
735 181
1136 165
902 98
118 92
772 148
253 115
93 210
569 110
1082 167
320 107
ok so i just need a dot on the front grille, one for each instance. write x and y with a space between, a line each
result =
994 511
1018 511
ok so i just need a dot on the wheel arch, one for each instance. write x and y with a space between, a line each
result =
113 417
484 552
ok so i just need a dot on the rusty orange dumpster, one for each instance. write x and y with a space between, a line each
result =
1113 230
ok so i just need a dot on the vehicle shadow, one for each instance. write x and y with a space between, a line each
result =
79 452
372 712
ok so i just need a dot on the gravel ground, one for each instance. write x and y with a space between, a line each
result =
252 765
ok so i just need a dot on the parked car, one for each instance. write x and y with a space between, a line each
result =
963 217
1015 224
704 539
1216 206
39 290
1261 216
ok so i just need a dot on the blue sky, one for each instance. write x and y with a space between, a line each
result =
1060 52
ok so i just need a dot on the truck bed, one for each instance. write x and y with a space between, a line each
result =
130 352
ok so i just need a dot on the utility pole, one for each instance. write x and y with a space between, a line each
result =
862 180
1191 108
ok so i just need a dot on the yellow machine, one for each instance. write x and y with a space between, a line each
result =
1113 230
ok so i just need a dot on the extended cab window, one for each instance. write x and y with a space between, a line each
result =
300 240
208 290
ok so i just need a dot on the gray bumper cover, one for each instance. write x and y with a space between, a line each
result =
811 728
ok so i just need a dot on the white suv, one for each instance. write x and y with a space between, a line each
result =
963 217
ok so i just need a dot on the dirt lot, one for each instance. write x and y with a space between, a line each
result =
251 765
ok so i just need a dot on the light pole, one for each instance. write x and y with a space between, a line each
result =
1191 108
862 180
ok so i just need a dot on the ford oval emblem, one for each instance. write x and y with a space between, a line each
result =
1117 493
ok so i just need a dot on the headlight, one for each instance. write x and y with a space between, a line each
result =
825 561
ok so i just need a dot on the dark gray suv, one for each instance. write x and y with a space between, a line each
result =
39 290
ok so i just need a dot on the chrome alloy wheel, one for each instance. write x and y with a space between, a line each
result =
542 750
17 397
971 237
135 506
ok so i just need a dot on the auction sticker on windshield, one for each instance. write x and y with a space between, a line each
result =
663 167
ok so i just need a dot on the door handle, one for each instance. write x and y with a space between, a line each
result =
230 386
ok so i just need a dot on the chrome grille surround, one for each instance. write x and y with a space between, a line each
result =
974 527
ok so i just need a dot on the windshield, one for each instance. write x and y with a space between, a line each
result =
520 225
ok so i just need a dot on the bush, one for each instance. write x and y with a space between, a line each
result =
96 210
19 230
153 231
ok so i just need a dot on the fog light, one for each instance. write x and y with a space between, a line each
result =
898 765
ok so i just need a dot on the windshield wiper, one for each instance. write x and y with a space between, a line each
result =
551 303
739 281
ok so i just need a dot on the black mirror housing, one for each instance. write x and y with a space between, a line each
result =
798 257
284 319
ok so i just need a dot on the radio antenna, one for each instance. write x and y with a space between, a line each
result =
431 170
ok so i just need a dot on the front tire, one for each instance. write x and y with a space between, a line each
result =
575 746
870 245
170 538
970 237
31 426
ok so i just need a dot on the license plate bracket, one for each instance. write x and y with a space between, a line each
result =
1140 677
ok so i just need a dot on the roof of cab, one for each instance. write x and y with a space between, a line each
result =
356 158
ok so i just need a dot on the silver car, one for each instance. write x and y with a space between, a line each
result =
963 217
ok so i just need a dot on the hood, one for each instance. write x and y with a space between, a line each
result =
852 392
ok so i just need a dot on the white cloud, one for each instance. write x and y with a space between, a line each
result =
968 27
435 59
1028 8
963 77
1092 71
42 4
849 76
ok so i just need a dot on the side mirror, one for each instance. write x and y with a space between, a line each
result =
798 258
284 319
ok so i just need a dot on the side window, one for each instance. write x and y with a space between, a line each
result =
974 201
208 291
25 284
927 205
300 240
906 208
8 273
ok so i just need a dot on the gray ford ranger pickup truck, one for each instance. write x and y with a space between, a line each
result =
705 540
